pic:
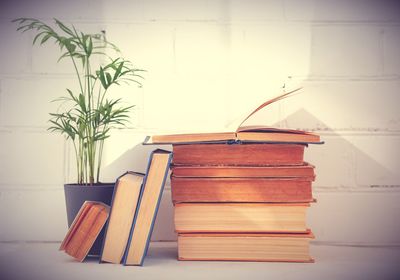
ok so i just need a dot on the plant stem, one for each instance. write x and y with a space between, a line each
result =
77 72
101 146
76 158
80 170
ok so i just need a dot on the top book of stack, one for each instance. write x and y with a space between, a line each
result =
243 134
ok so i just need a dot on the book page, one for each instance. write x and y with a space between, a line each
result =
285 94
246 112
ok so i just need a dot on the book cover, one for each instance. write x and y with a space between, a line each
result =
85 228
224 189
150 197
236 154
304 170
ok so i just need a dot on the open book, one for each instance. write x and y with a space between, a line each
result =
242 133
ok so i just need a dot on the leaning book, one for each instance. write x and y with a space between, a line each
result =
123 208
85 228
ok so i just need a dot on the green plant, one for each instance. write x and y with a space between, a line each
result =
89 115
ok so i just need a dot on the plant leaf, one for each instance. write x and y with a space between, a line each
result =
63 27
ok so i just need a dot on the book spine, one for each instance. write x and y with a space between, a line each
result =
92 234
77 241
243 171
239 154
239 190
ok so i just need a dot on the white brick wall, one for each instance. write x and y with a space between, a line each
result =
31 157
391 46
147 45
346 51
208 63
12 41
356 162
338 11
27 102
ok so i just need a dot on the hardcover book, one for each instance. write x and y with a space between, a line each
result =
242 133
123 208
245 247
153 185
84 229
236 154
241 189
305 170
240 217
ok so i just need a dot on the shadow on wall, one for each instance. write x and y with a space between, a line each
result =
350 175
347 160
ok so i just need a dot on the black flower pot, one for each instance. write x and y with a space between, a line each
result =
76 195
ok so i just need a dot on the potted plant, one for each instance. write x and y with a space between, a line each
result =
89 114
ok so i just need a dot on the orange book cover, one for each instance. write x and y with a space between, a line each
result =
304 170
85 228
241 189
235 154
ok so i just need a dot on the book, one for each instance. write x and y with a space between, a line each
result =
242 133
153 185
241 189
123 208
240 217
85 228
305 170
245 247
236 154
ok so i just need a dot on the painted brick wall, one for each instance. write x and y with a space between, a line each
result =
208 63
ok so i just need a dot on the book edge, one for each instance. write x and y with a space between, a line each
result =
310 260
125 255
227 141
102 226
77 216
157 207
111 206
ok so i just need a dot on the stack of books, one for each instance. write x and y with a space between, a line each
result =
242 196
242 201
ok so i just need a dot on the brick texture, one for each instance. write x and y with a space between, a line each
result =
208 63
